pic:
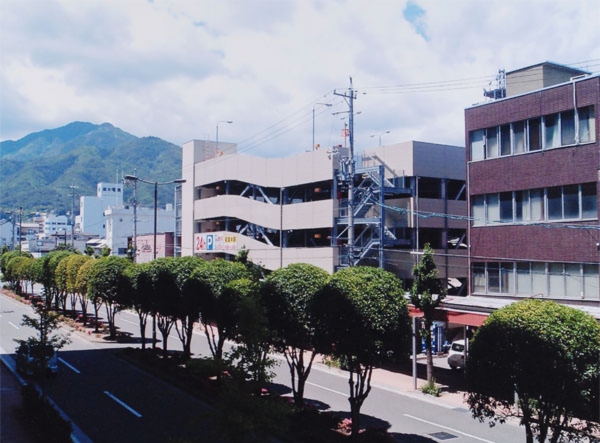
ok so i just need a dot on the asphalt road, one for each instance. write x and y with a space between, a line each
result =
113 402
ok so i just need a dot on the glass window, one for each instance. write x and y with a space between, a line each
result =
551 131
523 278
491 142
539 285
476 140
554 199
591 282
534 134
573 280
518 137
479 278
505 140
589 201
556 280
493 210
506 210
478 210
493 272
507 278
587 123
536 199
521 206
567 128
571 201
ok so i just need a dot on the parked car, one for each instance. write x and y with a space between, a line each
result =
456 355
33 359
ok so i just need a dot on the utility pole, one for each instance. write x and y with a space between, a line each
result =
73 187
350 96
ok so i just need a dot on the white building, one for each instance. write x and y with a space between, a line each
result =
296 209
120 225
56 225
91 218
8 233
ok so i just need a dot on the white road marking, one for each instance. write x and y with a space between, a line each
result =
125 405
450 429
130 322
344 394
71 367
13 325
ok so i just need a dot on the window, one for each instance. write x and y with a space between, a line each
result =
538 279
534 133
536 201
477 145
587 130
493 272
571 201
554 200
521 206
556 280
523 278
551 134
478 210
479 278
506 209
518 137
491 143
567 128
493 210
507 278
591 282
505 140
589 201
573 279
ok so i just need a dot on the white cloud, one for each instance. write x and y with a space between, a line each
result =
174 68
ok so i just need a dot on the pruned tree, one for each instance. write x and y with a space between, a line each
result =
547 355
74 264
427 294
362 318
288 294
216 319
140 297
108 283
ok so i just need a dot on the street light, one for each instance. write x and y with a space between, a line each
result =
313 121
379 135
135 179
217 140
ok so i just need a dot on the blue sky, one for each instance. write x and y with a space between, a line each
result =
174 69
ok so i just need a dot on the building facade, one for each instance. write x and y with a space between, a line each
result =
533 162
92 207
297 209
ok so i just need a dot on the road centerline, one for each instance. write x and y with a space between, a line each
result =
125 405
68 365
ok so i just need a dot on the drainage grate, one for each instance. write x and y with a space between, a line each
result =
443 436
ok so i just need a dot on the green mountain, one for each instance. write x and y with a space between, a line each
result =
37 171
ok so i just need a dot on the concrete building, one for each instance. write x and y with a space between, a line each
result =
296 209
8 233
120 225
56 225
91 208
533 169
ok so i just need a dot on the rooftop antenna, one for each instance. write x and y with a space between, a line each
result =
500 90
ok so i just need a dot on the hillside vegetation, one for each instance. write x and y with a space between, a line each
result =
36 171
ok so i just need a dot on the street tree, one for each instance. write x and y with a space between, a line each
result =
82 285
427 294
250 331
214 315
188 309
288 293
165 297
362 318
108 283
74 263
545 355
60 280
140 297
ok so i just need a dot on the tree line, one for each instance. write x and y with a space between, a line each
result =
358 315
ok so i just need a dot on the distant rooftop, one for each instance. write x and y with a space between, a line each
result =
539 76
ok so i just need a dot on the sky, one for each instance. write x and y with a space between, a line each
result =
279 70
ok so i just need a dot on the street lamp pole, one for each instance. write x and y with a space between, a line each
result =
379 135
217 139
313 121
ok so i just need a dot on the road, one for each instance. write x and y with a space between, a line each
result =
111 401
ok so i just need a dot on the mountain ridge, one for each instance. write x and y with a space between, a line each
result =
37 171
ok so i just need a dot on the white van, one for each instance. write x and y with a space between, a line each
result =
456 355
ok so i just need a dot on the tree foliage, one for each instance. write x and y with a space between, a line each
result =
548 355
215 315
288 295
427 294
362 317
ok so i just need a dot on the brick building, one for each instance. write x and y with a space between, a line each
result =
533 162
